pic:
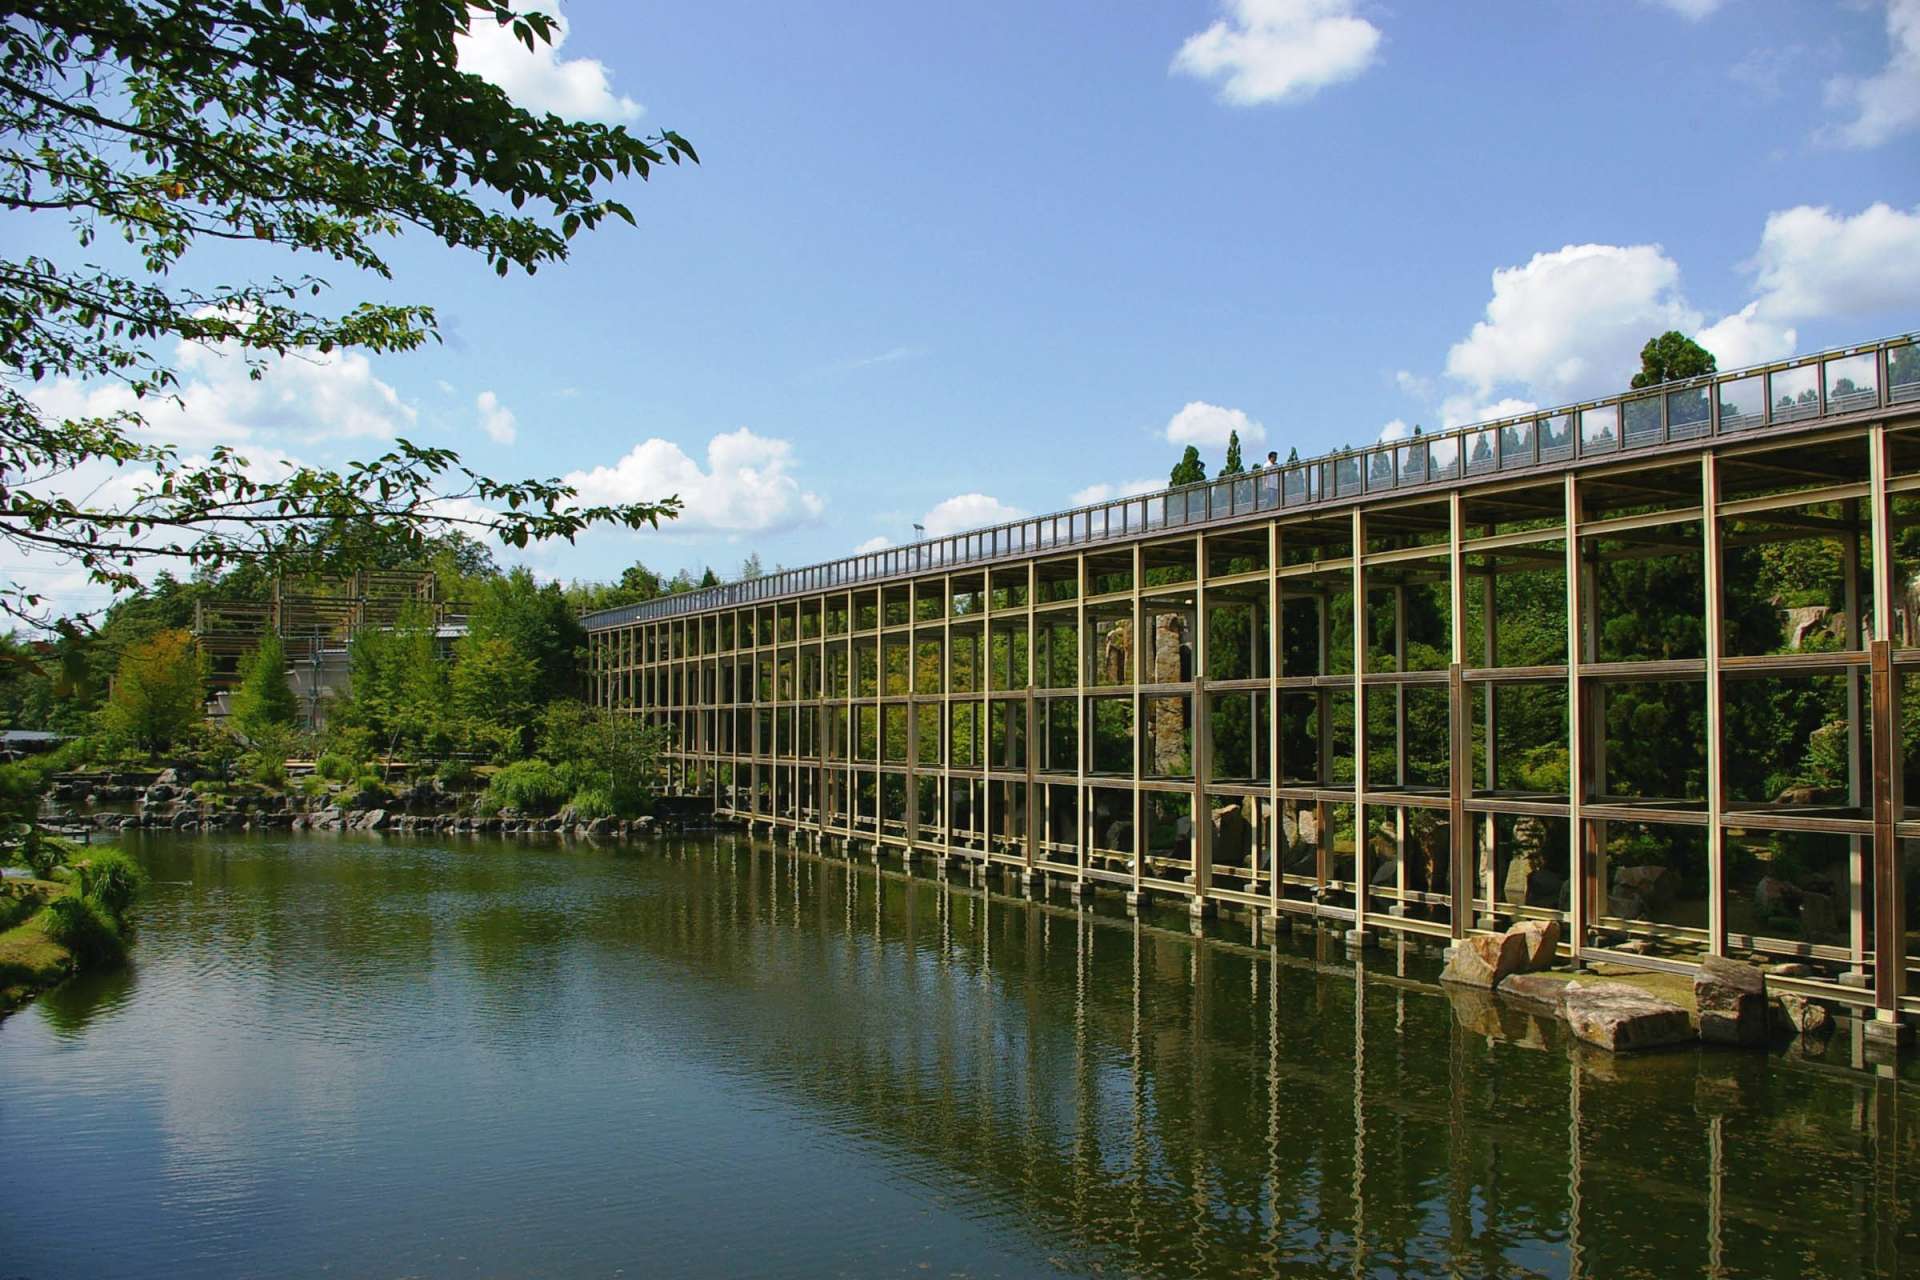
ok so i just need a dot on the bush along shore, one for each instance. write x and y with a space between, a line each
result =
516 800
67 916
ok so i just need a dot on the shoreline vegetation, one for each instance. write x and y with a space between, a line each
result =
67 916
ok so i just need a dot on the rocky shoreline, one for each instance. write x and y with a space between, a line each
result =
167 801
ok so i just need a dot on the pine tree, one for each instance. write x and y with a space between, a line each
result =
1189 470
1233 466
264 699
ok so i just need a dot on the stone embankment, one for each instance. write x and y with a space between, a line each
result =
167 801
1732 1005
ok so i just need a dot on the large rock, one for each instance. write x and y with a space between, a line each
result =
1800 1016
1519 880
1732 996
1620 1018
1483 960
373 820
1540 937
1536 991
1653 885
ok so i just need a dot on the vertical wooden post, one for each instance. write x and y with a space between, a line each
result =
1360 875
1579 899
1716 706
1889 907
1459 746
1277 833
1199 707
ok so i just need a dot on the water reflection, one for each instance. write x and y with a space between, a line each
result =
1055 1088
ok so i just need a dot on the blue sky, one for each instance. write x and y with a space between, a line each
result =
944 263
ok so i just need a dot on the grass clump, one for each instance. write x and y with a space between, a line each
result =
527 786
85 929
110 880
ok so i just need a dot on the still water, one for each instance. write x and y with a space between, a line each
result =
367 1057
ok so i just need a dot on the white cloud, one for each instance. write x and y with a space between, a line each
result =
496 419
1813 264
303 398
1413 384
1398 429
746 487
878 542
968 511
1200 423
1462 411
539 79
1887 103
1572 321
1744 338
1280 50
1105 492
1691 10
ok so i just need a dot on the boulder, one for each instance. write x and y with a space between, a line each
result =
1798 1015
373 820
1540 938
1536 991
1774 896
1732 996
1519 879
1627 906
1620 1018
184 819
1654 885
1483 959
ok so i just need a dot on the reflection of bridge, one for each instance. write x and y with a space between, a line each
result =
1342 687
1179 1105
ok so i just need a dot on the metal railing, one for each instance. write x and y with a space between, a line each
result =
1827 384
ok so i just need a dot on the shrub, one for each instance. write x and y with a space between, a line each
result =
42 853
337 767
268 771
589 803
527 786
455 775
111 881
369 791
314 786
84 929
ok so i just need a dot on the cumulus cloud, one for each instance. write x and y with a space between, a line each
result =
539 79
1572 321
1200 423
299 399
1745 337
496 419
747 485
968 511
1812 263
1887 103
1280 50
878 542
1462 411
1104 492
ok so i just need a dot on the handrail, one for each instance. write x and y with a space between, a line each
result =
1623 424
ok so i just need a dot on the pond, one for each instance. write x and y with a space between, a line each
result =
713 1057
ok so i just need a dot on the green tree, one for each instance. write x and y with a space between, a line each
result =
1189 470
536 621
1232 466
1671 357
157 697
311 130
709 578
750 567
494 691
398 679
264 700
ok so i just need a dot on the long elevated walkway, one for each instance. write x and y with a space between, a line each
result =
1635 663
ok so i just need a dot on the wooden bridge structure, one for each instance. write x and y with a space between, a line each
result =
1635 663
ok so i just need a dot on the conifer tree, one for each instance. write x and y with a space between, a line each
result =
1189 470
1233 466
264 700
